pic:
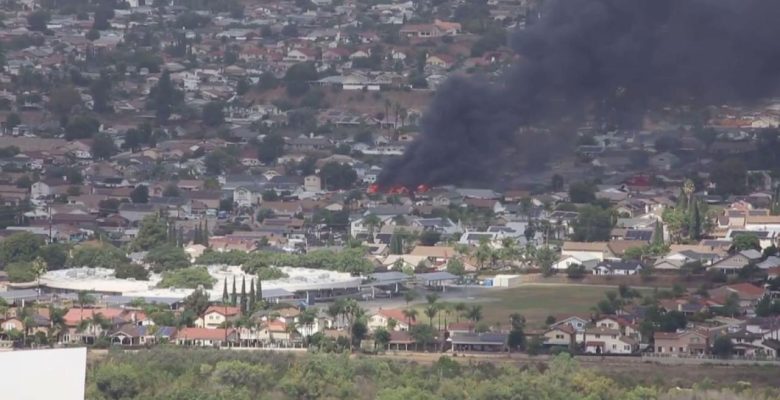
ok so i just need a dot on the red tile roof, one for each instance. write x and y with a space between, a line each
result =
222 310
395 314
76 315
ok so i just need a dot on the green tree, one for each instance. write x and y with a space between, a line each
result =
97 256
12 120
190 278
743 242
140 194
243 301
153 232
197 302
63 99
38 20
271 148
234 294
55 255
120 381
593 224
164 97
456 267
81 127
213 113
396 244
252 303
167 257
131 271
20 272
382 337
575 271
20 247
101 94
336 176
103 147
545 258
658 234
695 222
723 347
298 76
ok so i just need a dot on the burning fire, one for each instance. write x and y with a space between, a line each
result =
397 189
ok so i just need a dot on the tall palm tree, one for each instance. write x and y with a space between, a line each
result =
431 312
306 319
509 251
335 310
445 309
39 268
411 316
84 298
483 253
474 312
372 222
460 309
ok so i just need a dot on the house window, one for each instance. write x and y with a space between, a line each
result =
681 349
660 349
614 347
559 336
598 336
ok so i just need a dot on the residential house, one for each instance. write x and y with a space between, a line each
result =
248 195
575 321
735 262
382 318
618 267
206 337
216 316
561 335
142 335
437 255
688 342
586 250
748 294
600 340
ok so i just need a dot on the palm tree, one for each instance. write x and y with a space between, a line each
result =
445 309
474 313
431 312
372 222
431 298
509 251
388 105
306 319
39 268
517 321
460 308
483 253
411 316
84 298
335 310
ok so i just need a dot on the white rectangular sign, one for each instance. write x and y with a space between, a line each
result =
43 374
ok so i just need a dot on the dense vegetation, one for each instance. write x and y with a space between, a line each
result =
211 375
348 260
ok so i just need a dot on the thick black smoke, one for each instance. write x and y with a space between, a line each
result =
630 55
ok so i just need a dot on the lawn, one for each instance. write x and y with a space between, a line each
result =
537 302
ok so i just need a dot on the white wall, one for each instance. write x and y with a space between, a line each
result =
62 372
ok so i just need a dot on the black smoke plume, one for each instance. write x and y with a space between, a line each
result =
623 55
